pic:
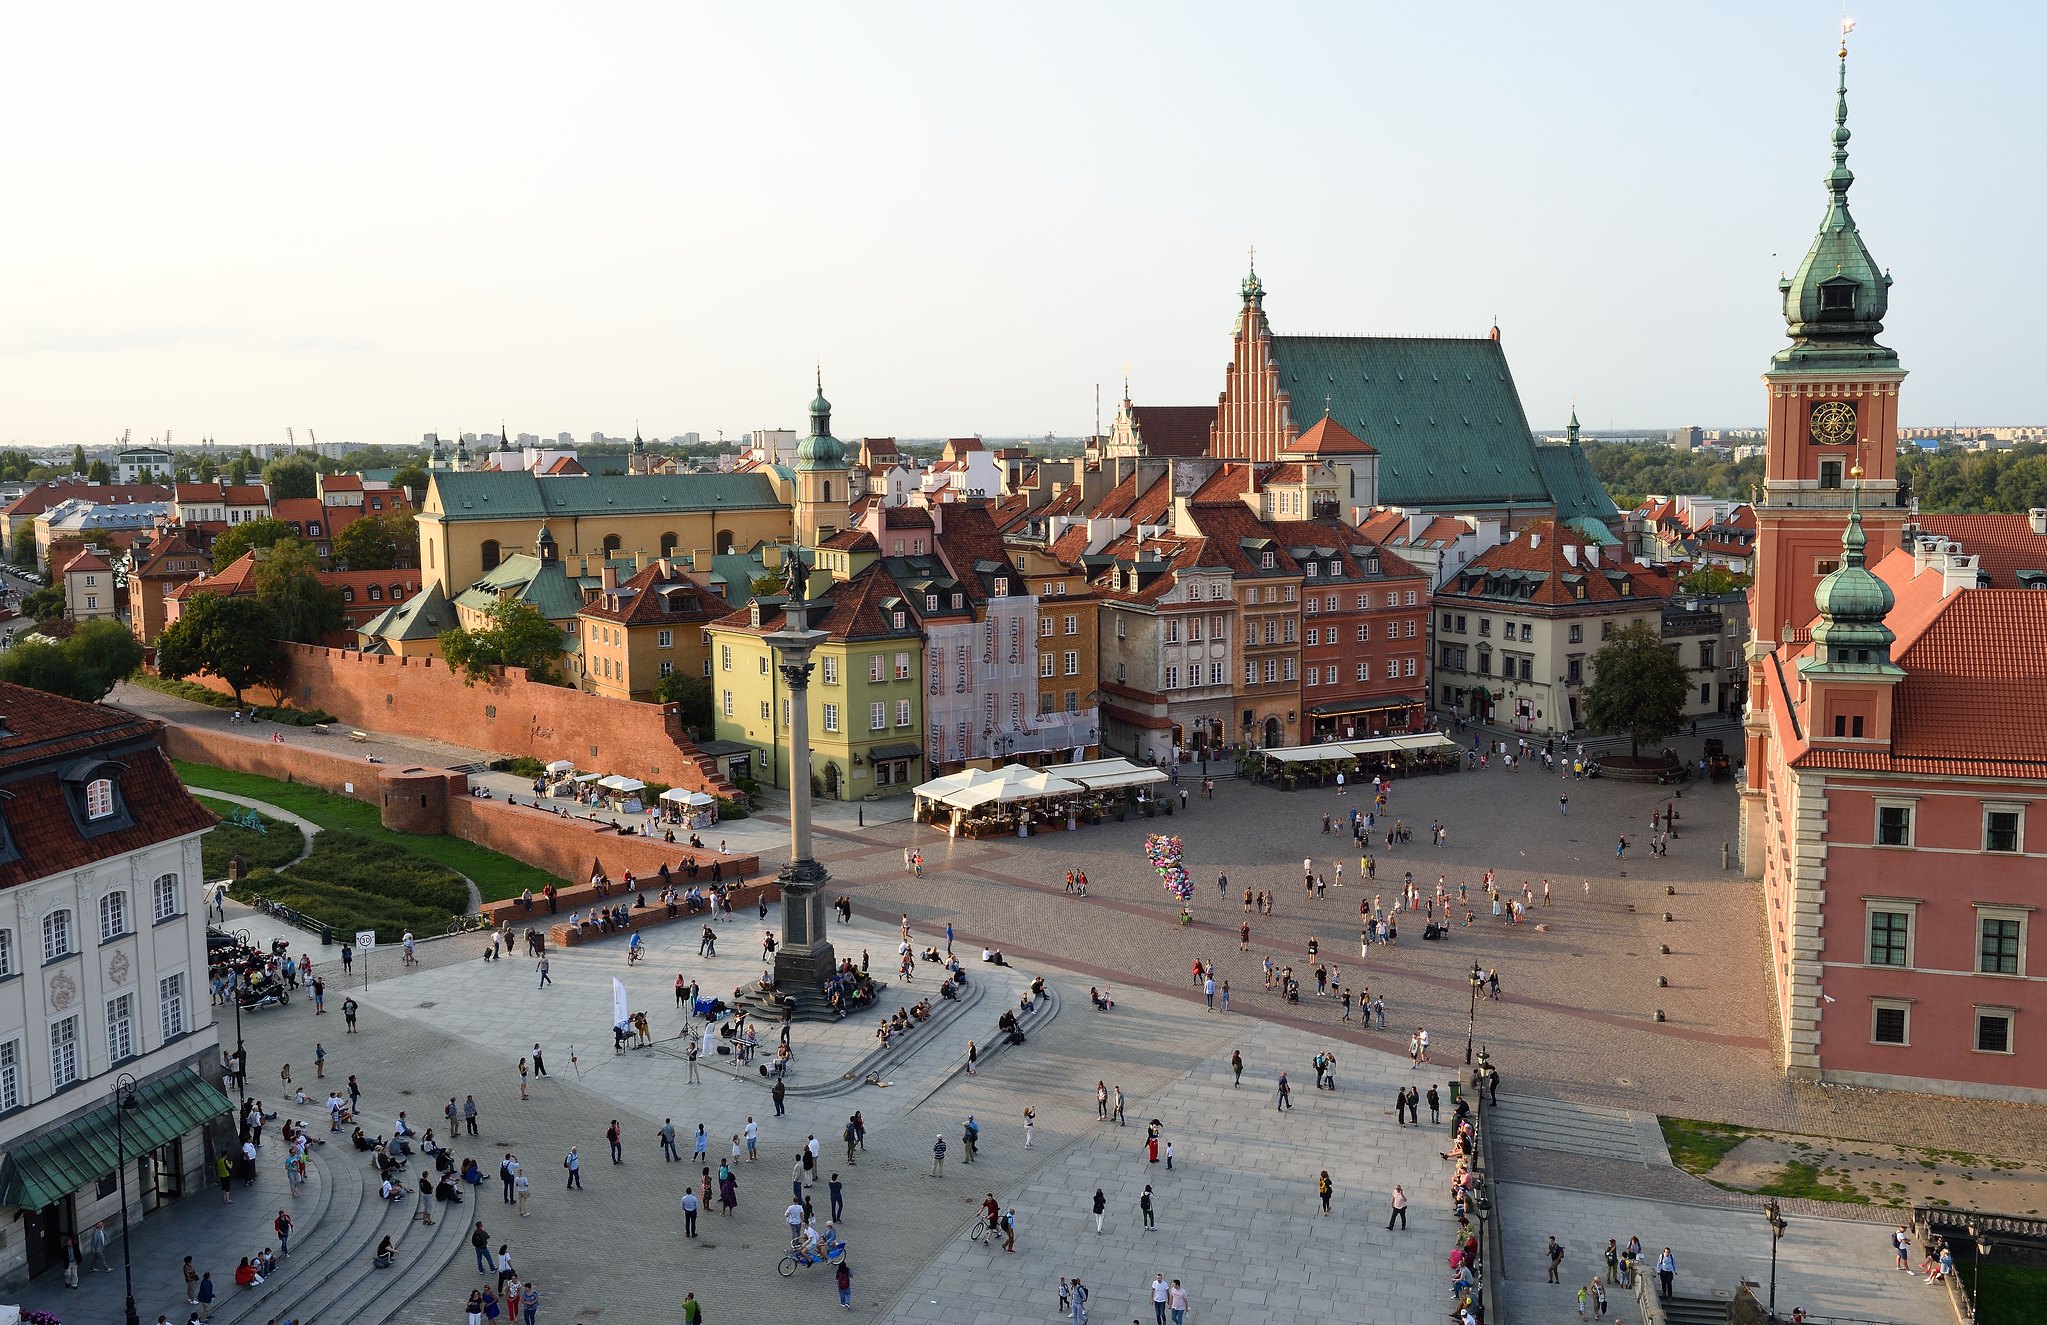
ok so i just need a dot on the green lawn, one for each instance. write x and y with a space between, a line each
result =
1810 1181
496 876
2011 1294
279 843
1696 1146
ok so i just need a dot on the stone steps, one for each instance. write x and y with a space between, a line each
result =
1579 1129
322 1226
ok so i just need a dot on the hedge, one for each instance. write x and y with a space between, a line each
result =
354 882
278 844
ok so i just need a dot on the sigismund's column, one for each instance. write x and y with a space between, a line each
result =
805 959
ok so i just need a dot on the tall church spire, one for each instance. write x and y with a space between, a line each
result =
1834 304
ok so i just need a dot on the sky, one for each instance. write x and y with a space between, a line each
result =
383 219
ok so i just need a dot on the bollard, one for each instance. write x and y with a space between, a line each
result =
1723 855
863 820
1663 982
1659 1014
1663 948
1668 917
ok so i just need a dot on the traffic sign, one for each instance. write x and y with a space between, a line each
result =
366 939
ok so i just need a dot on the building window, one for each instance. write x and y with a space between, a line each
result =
1890 938
902 713
1574 671
725 702
121 1028
667 668
1364 671
1172 678
1265 561
767 711
64 1052
1893 825
6 953
1172 630
56 935
10 1075
1525 633
1045 664
2001 829
931 602
1315 636
831 717
877 716
2000 941
664 639
1606 630
113 916
1485 625
1890 1023
1577 633
1287 668
1250 672
1271 670
1072 625
899 618
1993 1030
831 670
725 657
170 1002
1045 625
99 798
1314 676
1073 701
1407 667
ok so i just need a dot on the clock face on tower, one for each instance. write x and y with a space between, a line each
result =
1832 423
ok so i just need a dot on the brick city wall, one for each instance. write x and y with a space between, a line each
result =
565 848
424 697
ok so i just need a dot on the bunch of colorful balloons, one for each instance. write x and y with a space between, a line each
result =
1164 854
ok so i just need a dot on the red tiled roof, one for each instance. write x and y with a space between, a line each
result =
1328 437
906 517
566 465
1134 718
246 494
1178 430
173 548
340 483
852 540
302 512
1540 548
654 597
87 560
1353 543
854 611
1227 525
41 738
1970 690
2003 544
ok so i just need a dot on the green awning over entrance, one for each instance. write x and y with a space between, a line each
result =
51 1165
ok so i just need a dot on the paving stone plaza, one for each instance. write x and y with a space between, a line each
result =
1585 1067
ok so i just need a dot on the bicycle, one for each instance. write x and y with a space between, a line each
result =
798 1258
983 1231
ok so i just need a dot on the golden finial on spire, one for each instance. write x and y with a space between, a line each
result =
1847 26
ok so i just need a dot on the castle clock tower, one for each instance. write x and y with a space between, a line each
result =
1832 441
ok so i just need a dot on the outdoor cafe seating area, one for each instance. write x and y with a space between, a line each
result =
1015 799
1388 757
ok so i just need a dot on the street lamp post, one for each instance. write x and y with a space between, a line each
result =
1774 1217
241 1052
1471 1023
124 1100
1983 1245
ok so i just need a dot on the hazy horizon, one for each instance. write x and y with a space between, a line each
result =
379 222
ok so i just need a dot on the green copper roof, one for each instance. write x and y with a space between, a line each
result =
545 584
1442 413
1834 305
423 616
1573 486
522 496
1853 602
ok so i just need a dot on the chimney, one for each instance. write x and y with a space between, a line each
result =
607 578
1591 554
1534 540
1571 553
2038 518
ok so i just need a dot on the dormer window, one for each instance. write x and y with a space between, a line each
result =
99 798
1308 569
1837 300
1265 561
931 602
898 620
1002 586
959 600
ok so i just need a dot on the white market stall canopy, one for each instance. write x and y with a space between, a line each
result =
939 788
561 766
1108 774
1417 743
586 777
1013 782
621 784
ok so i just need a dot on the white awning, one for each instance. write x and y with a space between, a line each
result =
561 766
586 777
940 788
619 783
1108 774
1013 782
676 795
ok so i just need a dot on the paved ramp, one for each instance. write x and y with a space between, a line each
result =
1579 1129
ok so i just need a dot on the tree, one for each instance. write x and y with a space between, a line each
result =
229 547
97 472
78 459
287 580
85 666
234 639
765 586
1714 580
693 693
412 477
378 542
516 635
24 549
238 471
293 476
1637 685
45 604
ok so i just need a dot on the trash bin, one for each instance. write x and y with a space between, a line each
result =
1456 1089
327 936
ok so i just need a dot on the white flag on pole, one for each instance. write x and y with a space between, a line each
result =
618 1004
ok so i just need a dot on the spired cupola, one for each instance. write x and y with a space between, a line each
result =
1834 304
1850 632
822 476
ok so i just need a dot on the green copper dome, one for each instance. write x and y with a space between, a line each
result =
1853 603
1834 304
820 450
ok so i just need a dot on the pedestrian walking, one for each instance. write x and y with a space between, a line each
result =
1399 1209
1158 1299
1555 1253
1326 1190
837 1190
1030 1117
545 978
1101 1206
845 1275
1286 1094
1144 1204
574 1164
1666 1271
938 1157
615 1139
1236 1069
1102 1101
1079 1296
348 1009
479 1242
522 1188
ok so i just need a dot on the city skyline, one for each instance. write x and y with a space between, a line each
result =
246 222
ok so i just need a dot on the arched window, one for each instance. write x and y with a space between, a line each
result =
828 490
610 545
491 554
56 935
164 896
668 542
113 916
722 541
